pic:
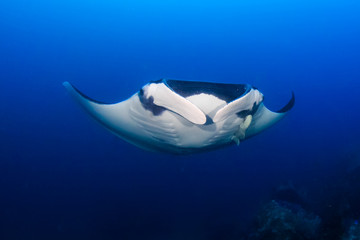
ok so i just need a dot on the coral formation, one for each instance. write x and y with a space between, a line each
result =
353 233
280 220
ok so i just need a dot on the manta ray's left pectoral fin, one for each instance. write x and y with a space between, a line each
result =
265 118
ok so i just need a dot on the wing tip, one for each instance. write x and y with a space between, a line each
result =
289 105
78 94
68 86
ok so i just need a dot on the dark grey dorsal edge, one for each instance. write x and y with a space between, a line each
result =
87 97
224 91
289 105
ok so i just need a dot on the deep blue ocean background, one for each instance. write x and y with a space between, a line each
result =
62 176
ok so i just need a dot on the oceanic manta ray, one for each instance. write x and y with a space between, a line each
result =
183 117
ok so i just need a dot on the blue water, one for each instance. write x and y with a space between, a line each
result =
64 177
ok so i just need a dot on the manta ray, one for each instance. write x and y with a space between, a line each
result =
183 117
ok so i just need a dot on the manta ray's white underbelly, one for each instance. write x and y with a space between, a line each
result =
171 129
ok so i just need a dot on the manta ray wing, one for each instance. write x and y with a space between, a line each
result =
184 116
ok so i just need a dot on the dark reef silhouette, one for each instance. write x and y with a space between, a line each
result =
333 213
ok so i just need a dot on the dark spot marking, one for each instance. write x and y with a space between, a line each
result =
148 104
